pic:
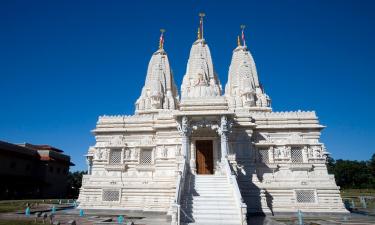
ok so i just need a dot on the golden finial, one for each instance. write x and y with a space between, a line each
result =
243 35
238 41
161 40
200 30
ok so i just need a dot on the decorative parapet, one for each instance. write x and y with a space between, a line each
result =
287 114
123 118
294 138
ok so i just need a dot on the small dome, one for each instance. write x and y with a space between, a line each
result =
159 85
243 81
200 72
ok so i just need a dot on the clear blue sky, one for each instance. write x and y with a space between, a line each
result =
64 63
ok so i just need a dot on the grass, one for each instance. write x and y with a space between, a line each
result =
18 222
357 192
352 195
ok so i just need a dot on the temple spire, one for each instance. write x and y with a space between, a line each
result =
200 30
238 41
243 35
161 40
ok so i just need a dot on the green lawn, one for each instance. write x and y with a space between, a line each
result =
357 192
352 195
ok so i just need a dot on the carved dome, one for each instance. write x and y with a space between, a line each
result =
159 91
200 79
243 88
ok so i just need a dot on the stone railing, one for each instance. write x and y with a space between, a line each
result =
176 206
232 180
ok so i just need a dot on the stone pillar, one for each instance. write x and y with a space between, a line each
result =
185 131
223 131
224 145
304 154
271 154
193 157
89 164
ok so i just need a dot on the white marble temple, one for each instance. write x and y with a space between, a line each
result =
272 162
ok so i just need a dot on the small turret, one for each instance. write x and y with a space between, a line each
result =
243 89
159 91
200 79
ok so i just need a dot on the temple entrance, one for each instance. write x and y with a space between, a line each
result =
204 157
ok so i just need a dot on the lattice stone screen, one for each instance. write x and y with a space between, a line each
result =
115 156
296 154
263 156
305 196
146 157
111 195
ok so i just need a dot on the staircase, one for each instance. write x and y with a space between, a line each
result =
209 200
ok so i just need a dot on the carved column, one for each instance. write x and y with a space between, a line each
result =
223 131
89 164
193 157
304 154
271 154
185 131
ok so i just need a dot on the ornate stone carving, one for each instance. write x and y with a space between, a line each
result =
117 141
101 154
184 126
204 123
316 152
243 89
159 91
164 152
127 154
200 80
225 126
282 152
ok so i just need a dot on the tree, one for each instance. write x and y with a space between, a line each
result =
74 183
372 164
330 165
353 174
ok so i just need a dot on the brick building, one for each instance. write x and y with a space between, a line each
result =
32 171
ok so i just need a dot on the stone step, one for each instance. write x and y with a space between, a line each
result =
216 217
212 180
214 197
209 205
212 187
212 223
201 193
209 200
191 205
208 176
228 211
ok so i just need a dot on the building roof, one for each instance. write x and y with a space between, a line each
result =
5 146
41 147
40 152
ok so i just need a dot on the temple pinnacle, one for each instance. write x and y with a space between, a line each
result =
238 41
243 35
161 40
200 30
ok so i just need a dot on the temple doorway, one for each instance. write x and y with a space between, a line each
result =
204 157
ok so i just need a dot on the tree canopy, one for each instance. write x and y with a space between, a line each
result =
353 173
